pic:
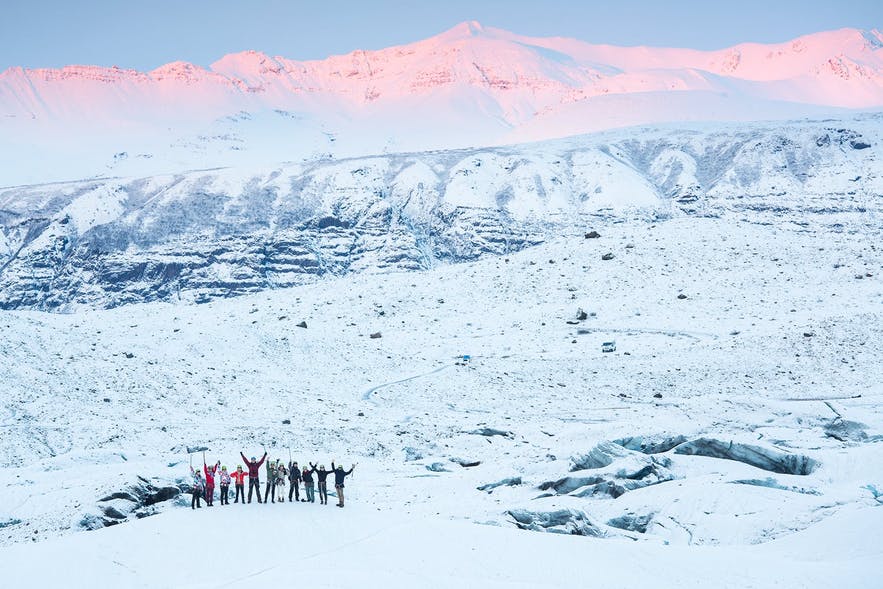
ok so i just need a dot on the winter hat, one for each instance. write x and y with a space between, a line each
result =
223 468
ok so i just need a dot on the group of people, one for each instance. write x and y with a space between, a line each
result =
278 475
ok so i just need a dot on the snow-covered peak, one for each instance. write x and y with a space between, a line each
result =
471 85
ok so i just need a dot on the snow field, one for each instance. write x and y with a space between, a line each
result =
98 398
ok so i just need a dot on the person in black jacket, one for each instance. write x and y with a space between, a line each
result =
309 486
322 479
339 476
293 481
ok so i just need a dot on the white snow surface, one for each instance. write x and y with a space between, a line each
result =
469 86
776 344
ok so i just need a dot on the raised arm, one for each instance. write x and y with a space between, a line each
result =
261 461
244 459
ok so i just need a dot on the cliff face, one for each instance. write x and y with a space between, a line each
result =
201 235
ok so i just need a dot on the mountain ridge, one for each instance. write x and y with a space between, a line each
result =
470 86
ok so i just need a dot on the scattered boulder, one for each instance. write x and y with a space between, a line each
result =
302 324
437 467
581 315
375 335
491 432
129 355
607 256
508 482
682 296
286 422
592 235
465 463
855 144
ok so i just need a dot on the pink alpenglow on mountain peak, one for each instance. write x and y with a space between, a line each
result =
470 85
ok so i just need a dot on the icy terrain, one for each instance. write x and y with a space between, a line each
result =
207 234
732 439
469 86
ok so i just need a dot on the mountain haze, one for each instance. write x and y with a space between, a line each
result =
469 86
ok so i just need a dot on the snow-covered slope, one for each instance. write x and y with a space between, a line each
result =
200 235
732 439
470 86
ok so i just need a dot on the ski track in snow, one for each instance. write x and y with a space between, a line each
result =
368 395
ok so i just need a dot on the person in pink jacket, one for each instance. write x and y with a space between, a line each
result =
210 481
225 479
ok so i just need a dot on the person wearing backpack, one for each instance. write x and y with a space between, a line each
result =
271 482
239 478
339 476
309 487
322 480
281 476
197 489
254 474
293 481
225 486
210 482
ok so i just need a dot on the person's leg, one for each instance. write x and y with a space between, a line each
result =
290 492
339 489
296 486
193 496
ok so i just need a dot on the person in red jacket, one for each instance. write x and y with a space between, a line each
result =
239 478
210 482
254 474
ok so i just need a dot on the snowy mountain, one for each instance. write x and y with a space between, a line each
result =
638 357
201 235
470 86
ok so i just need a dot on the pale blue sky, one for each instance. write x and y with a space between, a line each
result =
144 34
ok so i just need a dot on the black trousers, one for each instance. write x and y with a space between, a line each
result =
225 491
270 491
194 501
240 492
294 489
254 485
